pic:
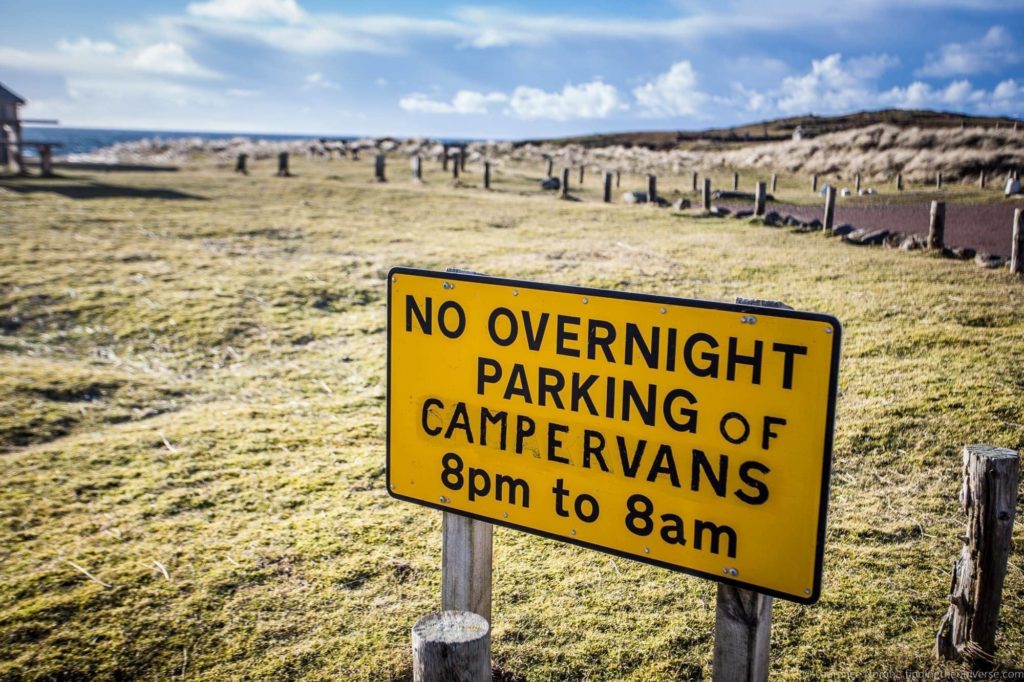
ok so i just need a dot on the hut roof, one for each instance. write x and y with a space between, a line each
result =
6 96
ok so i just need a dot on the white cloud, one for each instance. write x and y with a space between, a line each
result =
85 46
171 59
317 80
673 93
992 52
587 100
833 85
1006 98
248 10
464 102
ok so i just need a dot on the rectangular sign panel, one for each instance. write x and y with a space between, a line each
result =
692 435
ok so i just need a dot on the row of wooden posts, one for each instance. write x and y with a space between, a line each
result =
936 225
455 644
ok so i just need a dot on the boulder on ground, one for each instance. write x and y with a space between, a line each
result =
865 237
913 242
843 230
815 224
960 253
868 191
845 192
680 204
744 213
551 183
989 261
791 221
635 197
1012 187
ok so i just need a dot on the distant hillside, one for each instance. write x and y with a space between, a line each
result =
781 129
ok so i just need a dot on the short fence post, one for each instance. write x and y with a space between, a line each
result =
550 166
981 180
455 168
462 158
487 174
652 189
856 184
240 166
988 496
705 196
581 174
759 199
282 165
378 168
565 182
743 626
46 160
618 178
444 157
830 209
607 187
451 645
693 179
814 182
899 182
735 181
937 225
417 167
1017 247
775 179
938 181
466 565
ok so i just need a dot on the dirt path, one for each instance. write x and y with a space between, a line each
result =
984 227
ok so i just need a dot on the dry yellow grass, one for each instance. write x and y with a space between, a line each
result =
193 388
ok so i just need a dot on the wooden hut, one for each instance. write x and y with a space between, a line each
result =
10 128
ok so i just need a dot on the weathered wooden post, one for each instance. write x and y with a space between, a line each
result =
282 165
444 157
618 178
938 181
378 168
455 169
607 187
487 174
937 225
46 160
814 182
462 157
466 552
899 182
550 166
451 646
705 196
759 199
743 627
240 166
856 184
775 179
417 168
735 181
693 181
581 174
652 189
988 496
1017 247
830 209
981 180
743 619
565 183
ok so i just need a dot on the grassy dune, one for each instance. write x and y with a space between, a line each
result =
192 424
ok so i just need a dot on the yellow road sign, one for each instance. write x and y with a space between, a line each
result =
688 434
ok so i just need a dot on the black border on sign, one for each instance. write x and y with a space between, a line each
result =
826 470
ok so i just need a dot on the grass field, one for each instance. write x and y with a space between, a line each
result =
192 424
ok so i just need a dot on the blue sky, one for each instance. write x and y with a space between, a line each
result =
518 69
